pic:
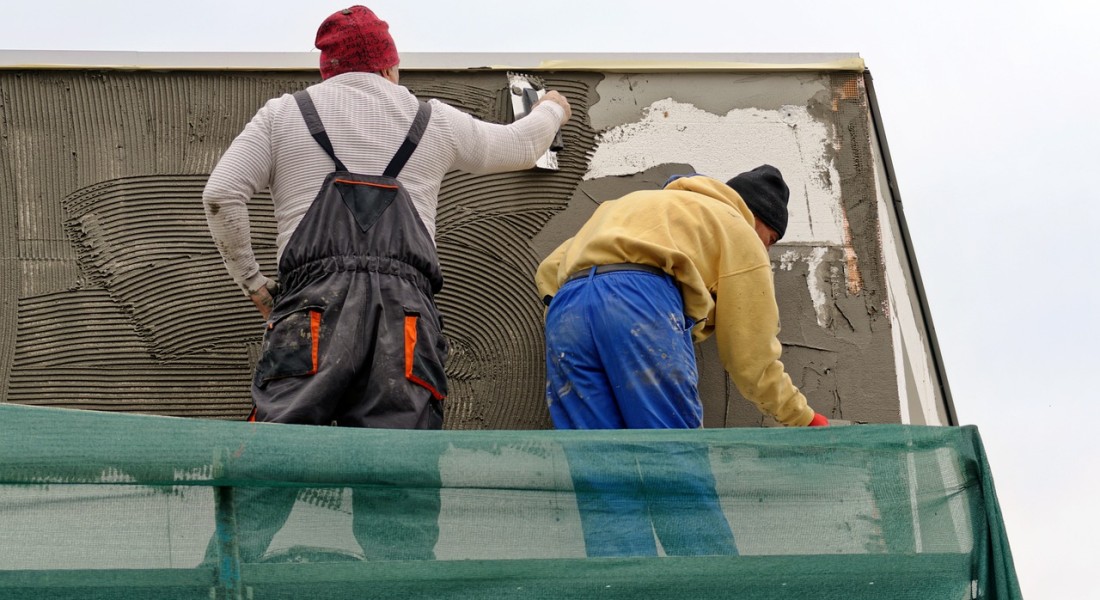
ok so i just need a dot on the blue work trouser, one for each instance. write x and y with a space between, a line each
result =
628 493
619 355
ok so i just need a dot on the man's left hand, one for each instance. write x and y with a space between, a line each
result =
264 298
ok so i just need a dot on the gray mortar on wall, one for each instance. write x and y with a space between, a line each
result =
115 305
113 297
624 96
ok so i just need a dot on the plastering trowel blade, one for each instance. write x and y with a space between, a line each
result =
525 90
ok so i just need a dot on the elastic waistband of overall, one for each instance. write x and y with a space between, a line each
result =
304 273
601 269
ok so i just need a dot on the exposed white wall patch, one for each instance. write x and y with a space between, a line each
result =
723 145
815 278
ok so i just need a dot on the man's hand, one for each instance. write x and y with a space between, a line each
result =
264 299
556 98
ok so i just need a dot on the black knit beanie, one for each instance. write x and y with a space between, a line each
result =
766 194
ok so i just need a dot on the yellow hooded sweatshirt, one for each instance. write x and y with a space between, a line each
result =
699 231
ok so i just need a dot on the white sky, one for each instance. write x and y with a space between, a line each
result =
985 110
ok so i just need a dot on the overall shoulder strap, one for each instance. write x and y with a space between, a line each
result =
420 122
316 128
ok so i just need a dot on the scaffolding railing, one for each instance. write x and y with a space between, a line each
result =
98 505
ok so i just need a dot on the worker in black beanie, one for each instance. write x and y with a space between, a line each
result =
696 237
649 274
764 190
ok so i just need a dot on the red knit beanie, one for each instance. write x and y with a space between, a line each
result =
355 39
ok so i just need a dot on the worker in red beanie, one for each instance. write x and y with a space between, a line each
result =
353 338
355 39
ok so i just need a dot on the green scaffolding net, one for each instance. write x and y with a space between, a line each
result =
96 505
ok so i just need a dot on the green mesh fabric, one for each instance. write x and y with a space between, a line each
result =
98 505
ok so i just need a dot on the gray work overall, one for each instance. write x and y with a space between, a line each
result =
355 337
355 340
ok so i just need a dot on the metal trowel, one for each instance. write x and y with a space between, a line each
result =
525 90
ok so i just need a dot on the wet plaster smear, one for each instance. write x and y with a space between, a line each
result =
113 297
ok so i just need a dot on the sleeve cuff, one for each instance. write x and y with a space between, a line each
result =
559 112
252 284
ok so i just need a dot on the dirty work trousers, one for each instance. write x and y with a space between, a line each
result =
355 340
619 355
361 325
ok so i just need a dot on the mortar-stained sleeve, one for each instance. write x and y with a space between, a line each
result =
484 148
244 169
746 326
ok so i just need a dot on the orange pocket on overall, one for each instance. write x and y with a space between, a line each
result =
425 351
290 347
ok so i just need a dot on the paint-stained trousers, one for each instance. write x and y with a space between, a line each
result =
350 340
348 349
619 355
355 340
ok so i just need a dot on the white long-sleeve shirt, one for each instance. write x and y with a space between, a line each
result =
367 118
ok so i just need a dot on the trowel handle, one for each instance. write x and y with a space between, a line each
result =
530 99
557 145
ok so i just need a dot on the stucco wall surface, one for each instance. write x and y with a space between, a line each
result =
113 297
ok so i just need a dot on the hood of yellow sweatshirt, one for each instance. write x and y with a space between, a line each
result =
712 188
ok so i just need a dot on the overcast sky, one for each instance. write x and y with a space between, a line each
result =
985 106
